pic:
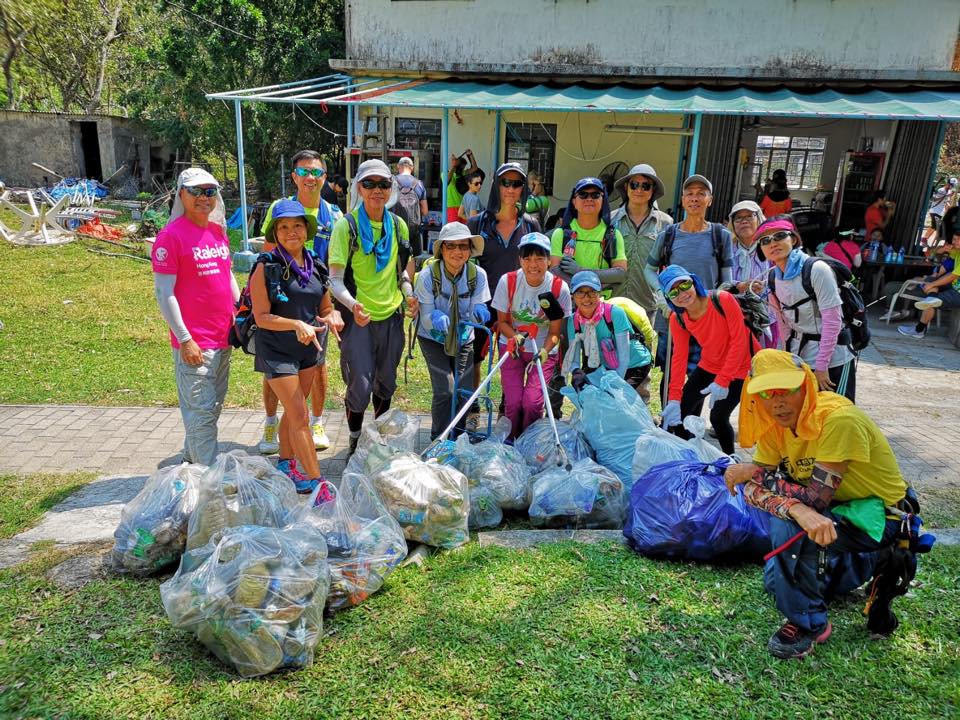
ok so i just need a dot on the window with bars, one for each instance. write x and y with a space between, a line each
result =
800 157
420 134
533 146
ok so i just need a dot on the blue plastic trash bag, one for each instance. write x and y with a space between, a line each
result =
538 445
612 417
683 510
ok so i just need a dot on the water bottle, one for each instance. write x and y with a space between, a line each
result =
571 246
874 251
900 257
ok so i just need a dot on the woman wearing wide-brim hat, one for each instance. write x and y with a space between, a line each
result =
451 290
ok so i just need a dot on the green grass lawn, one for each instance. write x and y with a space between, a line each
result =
562 632
27 497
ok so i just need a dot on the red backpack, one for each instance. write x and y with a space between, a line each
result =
555 288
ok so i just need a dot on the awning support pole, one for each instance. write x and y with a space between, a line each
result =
444 162
348 159
242 178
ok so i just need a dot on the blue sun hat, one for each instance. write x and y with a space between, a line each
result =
671 275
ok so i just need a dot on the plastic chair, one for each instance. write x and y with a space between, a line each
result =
903 293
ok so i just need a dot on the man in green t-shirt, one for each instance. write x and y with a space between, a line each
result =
370 271
583 241
309 175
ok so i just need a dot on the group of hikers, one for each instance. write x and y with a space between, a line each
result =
741 317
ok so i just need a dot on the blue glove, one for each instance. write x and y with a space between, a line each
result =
569 265
670 416
482 313
716 392
440 321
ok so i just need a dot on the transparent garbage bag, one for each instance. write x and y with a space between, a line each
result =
611 417
394 430
586 496
240 489
152 533
254 596
538 445
657 447
485 511
364 543
430 501
492 464
697 426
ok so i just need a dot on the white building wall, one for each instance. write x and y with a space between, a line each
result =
822 36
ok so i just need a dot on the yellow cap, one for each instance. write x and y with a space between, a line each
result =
775 370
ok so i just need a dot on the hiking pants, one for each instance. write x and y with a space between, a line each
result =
691 403
441 369
792 574
850 392
201 390
522 394
369 357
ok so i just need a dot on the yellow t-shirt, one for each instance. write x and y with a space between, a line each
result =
956 269
376 291
848 436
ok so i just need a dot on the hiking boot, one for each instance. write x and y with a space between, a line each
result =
326 492
269 443
791 641
911 331
927 303
320 439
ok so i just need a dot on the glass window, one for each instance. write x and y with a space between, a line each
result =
800 157
535 148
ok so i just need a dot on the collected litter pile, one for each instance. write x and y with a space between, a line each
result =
587 495
254 596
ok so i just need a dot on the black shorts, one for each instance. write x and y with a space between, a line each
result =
274 363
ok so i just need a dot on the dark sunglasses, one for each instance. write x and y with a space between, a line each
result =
462 247
776 237
198 191
591 195
637 185
680 287
379 184
508 183
304 172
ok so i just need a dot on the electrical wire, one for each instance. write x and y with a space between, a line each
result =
304 112
584 159
209 21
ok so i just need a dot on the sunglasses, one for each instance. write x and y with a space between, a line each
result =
680 287
462 247
508 183
637 185
592 195
369 184
198 191
776 237
305 172
777 392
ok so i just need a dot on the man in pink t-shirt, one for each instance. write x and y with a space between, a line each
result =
196 291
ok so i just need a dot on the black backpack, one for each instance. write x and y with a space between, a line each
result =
855 333
243 332
752 306
670 234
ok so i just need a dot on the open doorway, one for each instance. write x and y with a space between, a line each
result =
90 149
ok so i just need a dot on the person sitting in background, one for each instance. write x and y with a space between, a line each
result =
471 204
600 335
941 291
450 290
843 249
816 451
776 198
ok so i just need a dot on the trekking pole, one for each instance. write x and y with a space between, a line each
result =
441 438
665 379
562 458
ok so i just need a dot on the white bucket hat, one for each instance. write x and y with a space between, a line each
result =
193 177
458 231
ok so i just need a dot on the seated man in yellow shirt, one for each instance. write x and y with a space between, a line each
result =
822 467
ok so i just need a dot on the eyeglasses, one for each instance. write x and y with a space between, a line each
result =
592 195
461 246
778 392
680 287
198 191
476 182
637 185
369 184
304 172
586 294
750 217
776 237
508 183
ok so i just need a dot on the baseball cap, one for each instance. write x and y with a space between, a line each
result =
511 167
698 179
585 278
534 239
405 161
775 370
748 205
372 168
458 231
589 182
192 177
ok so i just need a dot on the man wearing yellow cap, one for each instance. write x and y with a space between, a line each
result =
820 466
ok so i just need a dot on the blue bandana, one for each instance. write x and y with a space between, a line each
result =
382 248
794 265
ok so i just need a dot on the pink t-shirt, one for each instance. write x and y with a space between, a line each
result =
832 249
200 258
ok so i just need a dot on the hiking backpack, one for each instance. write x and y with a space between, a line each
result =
754 310
635 332
855 333
408 204
403 252
555 288
243 332
608 245
670 235
432 265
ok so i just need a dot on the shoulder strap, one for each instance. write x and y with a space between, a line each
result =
715 298
435 278
608 245
805 276
847 255
511 289
471 278
354 233
608 318
670 234
557 286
